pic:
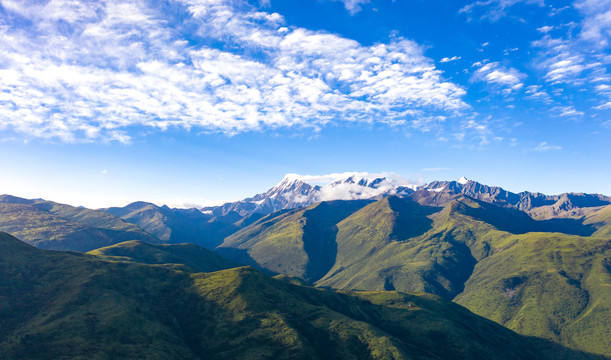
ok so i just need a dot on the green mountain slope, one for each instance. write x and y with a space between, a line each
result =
553 286
374 252
297 242
474 252
58 305
601 221
180 225
50 225
190 256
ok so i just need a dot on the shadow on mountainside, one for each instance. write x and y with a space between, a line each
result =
412 219
518 222
319 235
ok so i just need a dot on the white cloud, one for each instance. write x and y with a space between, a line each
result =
560 60
545 29
567 111
578 58
122 65
493 10
480 128
353 6
499 76
448 59
596 25
536 92
544 146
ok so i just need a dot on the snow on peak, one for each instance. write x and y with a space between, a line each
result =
290 186
463 180
297 188
342 186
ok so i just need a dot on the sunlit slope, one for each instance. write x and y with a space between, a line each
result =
193 257
601 221
553 286
67 305
298 242
393 244
50 225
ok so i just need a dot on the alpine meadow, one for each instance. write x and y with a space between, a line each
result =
442 178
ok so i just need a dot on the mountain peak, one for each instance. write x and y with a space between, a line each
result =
463 180
288 180
290 183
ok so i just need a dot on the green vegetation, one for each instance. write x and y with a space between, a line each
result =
298 242
601 221
548 278
60 305
188 257
50 225
552 286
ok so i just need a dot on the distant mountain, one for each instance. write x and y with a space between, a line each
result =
59 305
209 226
537 205
180 225
51 225
546 278
292 192
187 257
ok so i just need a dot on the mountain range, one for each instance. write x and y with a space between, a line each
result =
66 305
537 264
293 192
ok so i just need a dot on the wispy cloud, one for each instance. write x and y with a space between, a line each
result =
596 25
544 146
567 111
449 59
575 56
560 61
493 10
498 76
353 6
545 29
536 92
91 71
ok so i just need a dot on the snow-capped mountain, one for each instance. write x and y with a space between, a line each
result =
293 192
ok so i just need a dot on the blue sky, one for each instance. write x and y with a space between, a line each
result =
200 101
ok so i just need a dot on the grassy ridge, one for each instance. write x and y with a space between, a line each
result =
298 242
601 221
189 257
50 225
66 305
